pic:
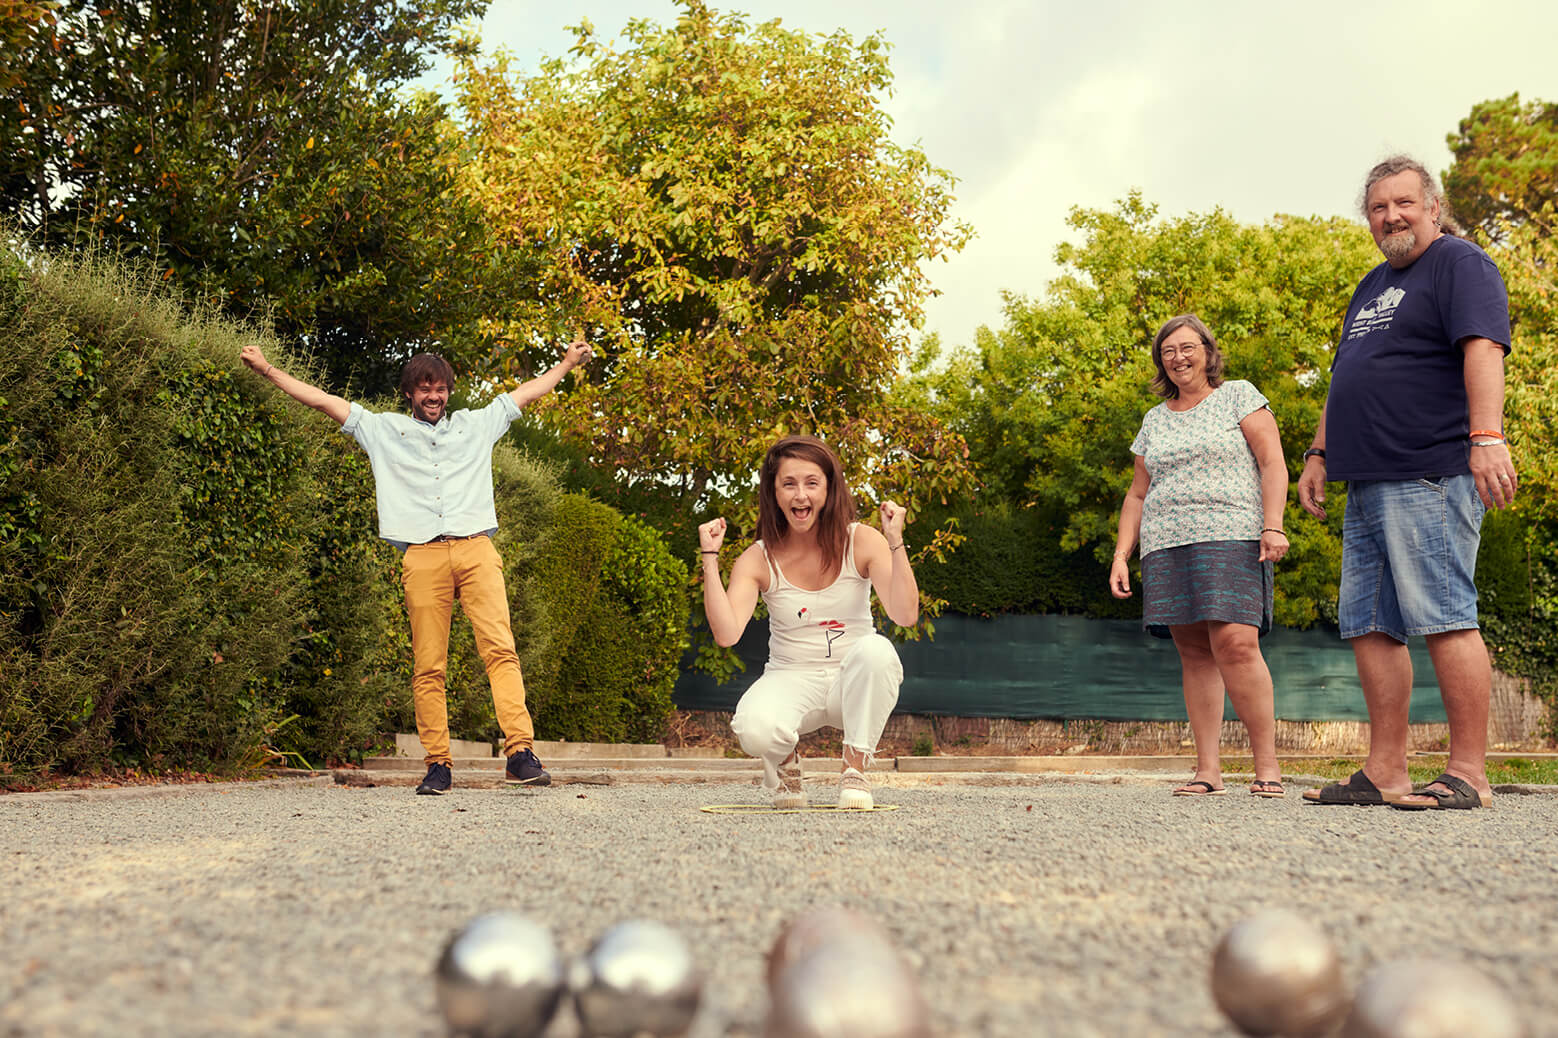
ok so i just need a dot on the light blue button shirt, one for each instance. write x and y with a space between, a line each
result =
432 480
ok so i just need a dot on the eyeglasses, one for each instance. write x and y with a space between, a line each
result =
1171 352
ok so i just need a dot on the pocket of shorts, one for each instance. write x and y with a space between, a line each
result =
1431 483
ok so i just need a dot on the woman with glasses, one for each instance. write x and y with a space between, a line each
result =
1206 505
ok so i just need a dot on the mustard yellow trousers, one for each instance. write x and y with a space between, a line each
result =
434 575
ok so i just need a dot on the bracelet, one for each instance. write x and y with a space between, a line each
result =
1123 556
1315 452
894 547
1488 443
268 369
708 552
1272 529
1485 432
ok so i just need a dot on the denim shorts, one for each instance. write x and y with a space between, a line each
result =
1409 557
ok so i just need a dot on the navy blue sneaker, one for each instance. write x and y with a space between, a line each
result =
525 770
436 783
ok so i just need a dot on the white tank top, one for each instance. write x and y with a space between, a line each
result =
816 628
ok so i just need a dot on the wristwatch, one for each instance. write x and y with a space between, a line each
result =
1315 452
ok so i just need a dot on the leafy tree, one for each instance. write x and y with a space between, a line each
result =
1050 403
1504 183
1506 166
721 206
261 157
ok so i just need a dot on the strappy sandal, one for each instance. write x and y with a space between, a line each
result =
1458 795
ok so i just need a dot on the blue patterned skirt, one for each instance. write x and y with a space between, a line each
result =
1217 580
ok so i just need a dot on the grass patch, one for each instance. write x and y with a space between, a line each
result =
1423 769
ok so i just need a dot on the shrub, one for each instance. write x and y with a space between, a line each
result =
189 569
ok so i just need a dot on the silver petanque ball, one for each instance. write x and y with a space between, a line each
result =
814 928
1275 973
639 978
1428 998
499 977
838 979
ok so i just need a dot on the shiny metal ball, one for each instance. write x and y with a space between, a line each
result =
813 928
1431 998
836 974
639 978
499 977
1275 973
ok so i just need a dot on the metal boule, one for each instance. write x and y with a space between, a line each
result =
1430 998
639 978
499 977
812 928
1275 973
835 974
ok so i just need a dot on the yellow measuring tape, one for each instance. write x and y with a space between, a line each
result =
764 809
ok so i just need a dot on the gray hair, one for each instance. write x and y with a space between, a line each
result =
1161 383
1431 193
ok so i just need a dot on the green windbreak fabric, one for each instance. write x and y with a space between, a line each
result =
1072 668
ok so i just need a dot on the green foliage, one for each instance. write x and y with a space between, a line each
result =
723 209
1504 184
1506 166
189 572
1013 561
147 607
1050 403
264 158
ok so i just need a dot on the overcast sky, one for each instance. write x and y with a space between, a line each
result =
1039 105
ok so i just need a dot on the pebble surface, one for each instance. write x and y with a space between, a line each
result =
1053 907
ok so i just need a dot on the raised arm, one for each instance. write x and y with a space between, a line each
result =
328 403
1129 531
729 611
883 559
578 352
1260 432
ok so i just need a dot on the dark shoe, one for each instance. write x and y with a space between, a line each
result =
437 782
1458 795
524 770
1358 791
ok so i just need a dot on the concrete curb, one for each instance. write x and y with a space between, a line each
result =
54 796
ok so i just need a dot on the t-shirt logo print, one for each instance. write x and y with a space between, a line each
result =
834 629
1376 313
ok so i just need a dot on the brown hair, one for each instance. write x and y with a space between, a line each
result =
1161 383
837 512
425 367
1431 193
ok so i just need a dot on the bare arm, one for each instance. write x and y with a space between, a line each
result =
1260 432
328 403
729 611
885 559
1491 465
1311 482
577 353
1129 531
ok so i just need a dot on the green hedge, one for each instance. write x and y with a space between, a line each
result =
189 572
1012 562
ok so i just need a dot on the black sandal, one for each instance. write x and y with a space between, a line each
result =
1459 795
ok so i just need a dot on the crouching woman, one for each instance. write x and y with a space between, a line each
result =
814 567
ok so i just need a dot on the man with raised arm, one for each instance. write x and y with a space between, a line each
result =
1414 422
432 474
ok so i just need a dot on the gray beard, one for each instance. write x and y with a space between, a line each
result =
1399 245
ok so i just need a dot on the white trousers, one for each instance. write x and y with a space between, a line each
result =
785 703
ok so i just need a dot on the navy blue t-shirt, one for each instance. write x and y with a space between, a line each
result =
1397 404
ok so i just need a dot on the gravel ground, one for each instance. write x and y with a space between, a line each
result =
1057 907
